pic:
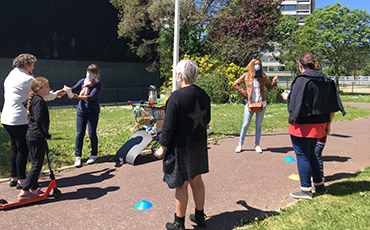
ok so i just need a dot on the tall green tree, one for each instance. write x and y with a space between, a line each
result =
333 32
288 46
149 25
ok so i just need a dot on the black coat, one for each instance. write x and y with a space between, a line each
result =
38 121
184 133
312 98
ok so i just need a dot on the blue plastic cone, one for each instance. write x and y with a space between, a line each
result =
143 205
289 159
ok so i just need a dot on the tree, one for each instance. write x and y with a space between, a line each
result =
289 50
250 33
150 22
333 32
365 71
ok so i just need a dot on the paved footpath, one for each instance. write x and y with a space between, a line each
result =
246 184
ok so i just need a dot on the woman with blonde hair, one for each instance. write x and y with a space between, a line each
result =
37 135
255 81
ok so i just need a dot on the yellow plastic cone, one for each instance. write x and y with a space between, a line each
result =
294 176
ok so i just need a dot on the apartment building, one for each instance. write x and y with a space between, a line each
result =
301 9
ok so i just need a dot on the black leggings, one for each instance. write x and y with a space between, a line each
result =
37 147
19 154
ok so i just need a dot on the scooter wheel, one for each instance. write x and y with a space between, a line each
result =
57 193
2 201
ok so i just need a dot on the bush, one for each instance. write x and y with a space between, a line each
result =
216 86
274 96
220 91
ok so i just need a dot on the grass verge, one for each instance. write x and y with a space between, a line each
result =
345 206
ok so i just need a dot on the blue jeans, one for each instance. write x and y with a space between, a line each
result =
247 121
307 162
318 152
91 119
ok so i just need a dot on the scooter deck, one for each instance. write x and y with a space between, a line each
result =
51 186
133 147
17 203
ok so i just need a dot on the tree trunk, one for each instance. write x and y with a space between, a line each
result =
336 69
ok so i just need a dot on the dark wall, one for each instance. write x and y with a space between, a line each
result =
46 29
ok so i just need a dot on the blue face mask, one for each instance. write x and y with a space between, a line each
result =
257 67
90 76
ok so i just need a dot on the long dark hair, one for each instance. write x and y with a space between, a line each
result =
308 61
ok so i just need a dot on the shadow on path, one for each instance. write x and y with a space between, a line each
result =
83 179
337 176
229 220
279 150
335 158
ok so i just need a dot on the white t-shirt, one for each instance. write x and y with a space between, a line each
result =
256 93
17 87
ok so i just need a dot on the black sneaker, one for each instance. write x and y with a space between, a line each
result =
19 186
175 226
321 189
302 194
13 183
199 220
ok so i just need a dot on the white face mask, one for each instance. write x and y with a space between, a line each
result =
257 67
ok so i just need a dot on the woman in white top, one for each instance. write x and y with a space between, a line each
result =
17 87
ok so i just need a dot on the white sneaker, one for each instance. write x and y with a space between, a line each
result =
78 162
92 159
238 149
258 149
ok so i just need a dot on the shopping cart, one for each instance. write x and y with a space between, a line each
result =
149 120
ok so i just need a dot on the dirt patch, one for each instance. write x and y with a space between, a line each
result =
356 89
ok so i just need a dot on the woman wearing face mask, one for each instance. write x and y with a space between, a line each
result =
255 81
88 110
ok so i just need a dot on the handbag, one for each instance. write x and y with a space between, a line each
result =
255 107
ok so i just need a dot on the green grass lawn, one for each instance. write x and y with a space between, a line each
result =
115 123
355 97
345 206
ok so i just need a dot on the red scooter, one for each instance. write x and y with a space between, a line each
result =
52 186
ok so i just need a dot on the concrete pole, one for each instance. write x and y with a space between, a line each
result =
176 44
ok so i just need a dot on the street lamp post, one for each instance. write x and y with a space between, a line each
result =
176 44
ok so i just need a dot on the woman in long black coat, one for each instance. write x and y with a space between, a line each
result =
184 143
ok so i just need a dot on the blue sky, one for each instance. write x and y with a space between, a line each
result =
352 4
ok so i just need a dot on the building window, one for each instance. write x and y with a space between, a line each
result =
265 69
281 68
288 7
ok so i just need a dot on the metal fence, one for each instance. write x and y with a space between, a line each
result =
358 84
